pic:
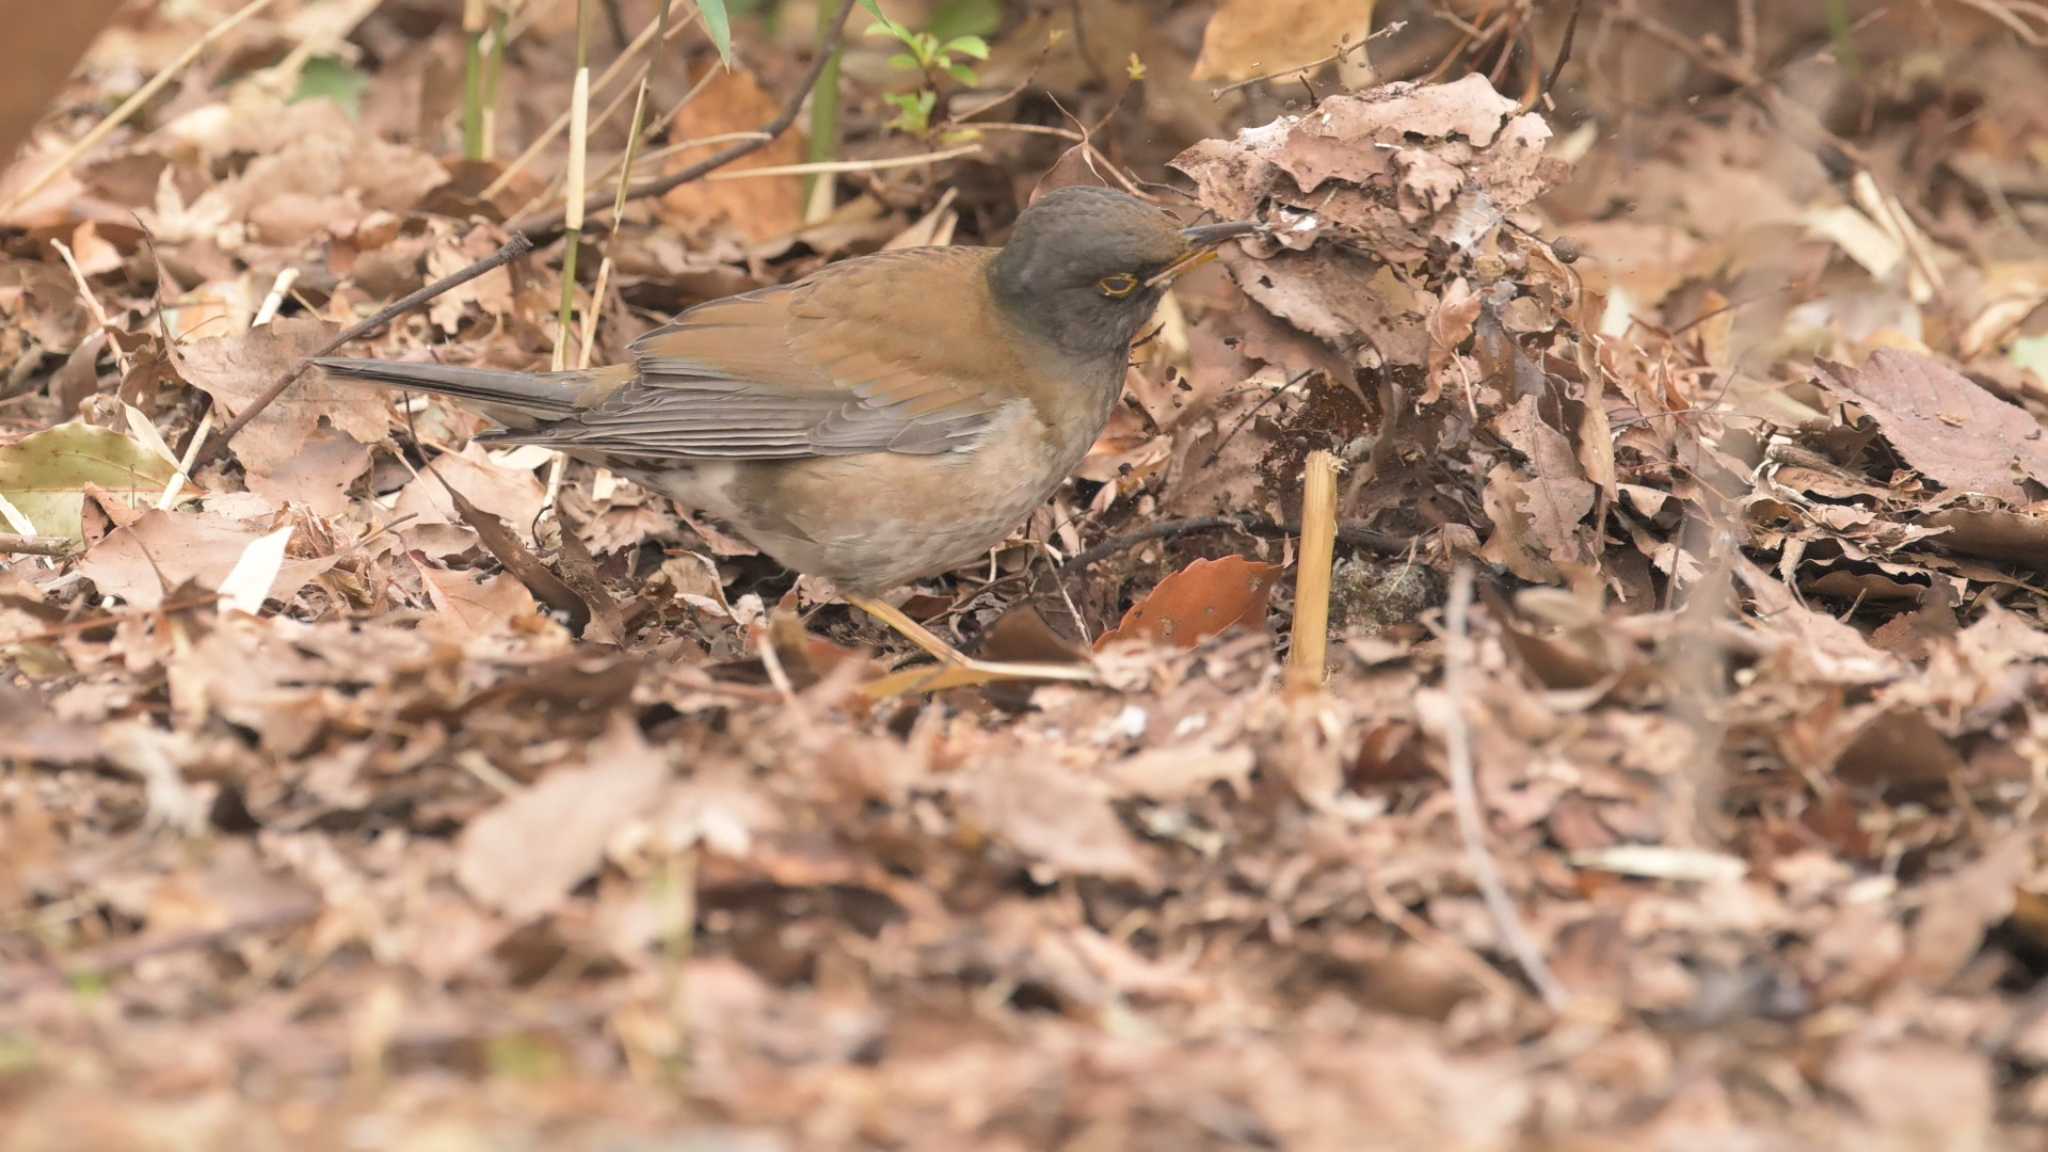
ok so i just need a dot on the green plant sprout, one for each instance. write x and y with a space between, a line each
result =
933 57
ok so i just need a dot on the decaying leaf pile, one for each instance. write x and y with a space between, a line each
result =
351 796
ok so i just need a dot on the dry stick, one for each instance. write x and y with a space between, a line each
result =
1309 653
1465 797
1351 534
1342 51
132 105
551 225
58 547
514 248
847 165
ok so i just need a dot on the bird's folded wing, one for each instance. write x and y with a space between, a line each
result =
822 367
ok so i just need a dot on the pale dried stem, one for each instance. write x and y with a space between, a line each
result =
1465 797
846 165
92 303
1309 654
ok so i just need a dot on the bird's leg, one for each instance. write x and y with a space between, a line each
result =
909 629
956 670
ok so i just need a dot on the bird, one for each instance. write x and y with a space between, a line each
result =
881 420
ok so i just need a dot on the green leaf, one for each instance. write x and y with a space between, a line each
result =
962 73
330 78
44 476
973 46
718 26
903 62
967 18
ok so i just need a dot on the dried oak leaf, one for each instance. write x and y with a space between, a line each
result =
235 370
1388 170
526 855
1557 494
1059 820
162 550
475 607
1945 425
758 209
513 495
1199 601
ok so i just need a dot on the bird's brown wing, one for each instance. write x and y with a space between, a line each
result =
822 367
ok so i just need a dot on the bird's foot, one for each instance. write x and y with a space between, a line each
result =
955 669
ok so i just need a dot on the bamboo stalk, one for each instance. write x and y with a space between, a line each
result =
824 144
1306 659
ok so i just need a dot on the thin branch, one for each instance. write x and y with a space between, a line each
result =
847 165
514 248
1465 798
1342 51
1564 55
547 227
1352 534
56 547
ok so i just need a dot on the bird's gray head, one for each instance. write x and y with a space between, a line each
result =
1085 267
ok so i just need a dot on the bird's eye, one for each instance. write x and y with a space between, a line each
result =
1118 286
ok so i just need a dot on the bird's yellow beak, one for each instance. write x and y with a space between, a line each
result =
1202 241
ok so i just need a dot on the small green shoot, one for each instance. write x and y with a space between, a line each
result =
330 78
932 57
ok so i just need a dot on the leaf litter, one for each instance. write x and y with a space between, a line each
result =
341 811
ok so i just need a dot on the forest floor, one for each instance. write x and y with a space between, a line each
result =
1676 783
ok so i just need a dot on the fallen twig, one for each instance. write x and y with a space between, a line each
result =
514 248
1354 534
1342 51
550 225
54 546
1465 798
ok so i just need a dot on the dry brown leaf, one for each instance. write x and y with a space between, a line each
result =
235 370
1254 37
472 607
162 550
1946 426
1058 820
1201 600
759 209
511 494
523 857
1957 909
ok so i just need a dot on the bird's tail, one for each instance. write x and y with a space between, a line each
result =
516 399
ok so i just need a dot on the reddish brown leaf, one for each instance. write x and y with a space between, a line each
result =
1199 601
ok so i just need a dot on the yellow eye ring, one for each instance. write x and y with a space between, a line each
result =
1118 286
